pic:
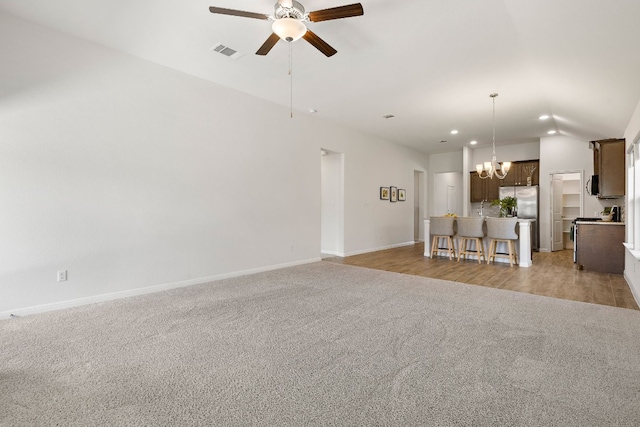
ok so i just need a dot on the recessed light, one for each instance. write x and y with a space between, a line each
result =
313 110
474 142
388 116
544 117
454 132
551 132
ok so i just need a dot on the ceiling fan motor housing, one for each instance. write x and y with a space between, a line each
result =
296 11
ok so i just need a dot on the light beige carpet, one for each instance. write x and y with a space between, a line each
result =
321 345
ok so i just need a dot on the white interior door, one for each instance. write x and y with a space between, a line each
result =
556 213
447 198
451 199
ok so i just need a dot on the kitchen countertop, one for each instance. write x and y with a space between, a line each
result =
600 222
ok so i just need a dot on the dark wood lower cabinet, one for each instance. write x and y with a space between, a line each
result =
599 247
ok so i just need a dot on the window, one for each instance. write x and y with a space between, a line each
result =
632 214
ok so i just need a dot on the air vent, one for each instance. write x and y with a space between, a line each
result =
226 51
388 116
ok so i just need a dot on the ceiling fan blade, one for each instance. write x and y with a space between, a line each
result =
336 12
267 45
233 12
319 44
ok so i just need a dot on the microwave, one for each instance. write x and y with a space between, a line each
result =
594 187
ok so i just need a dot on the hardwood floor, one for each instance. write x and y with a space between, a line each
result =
552 274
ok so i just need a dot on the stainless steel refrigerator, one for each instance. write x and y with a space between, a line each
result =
528 208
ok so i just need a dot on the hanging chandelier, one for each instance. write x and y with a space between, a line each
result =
490 169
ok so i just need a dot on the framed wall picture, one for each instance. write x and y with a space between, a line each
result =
393 196
402 195
384 193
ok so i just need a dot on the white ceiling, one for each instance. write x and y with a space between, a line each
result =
431 63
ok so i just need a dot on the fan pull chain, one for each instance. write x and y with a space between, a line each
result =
290 81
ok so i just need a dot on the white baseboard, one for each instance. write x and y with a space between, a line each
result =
334 253
26 311
634 291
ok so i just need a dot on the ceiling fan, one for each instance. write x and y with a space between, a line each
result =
289 19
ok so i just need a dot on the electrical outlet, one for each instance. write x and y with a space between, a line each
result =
62 275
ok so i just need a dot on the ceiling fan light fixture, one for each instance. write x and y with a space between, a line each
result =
289 29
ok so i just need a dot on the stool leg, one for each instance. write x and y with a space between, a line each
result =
492 245
513 257
447 240
452 248
463 248
480 249
494 251
434 246
510 255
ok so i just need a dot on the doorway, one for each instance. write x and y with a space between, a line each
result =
447 192
331 203
418 205
566 206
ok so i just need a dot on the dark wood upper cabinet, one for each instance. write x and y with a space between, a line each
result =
489 189
510 179
483 189
608 164
476 188
492 189
519 172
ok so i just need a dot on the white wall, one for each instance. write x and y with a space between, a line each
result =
130 175
370 223
632 254
561 154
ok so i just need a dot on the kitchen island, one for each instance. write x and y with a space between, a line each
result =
523 244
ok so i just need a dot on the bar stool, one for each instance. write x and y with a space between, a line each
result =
502 230
442 228
470 229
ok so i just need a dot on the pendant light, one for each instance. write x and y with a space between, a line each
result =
490 169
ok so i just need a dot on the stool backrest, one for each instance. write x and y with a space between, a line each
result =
502 228
470 226
442 225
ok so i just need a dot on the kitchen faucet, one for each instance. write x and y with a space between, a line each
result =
481 210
